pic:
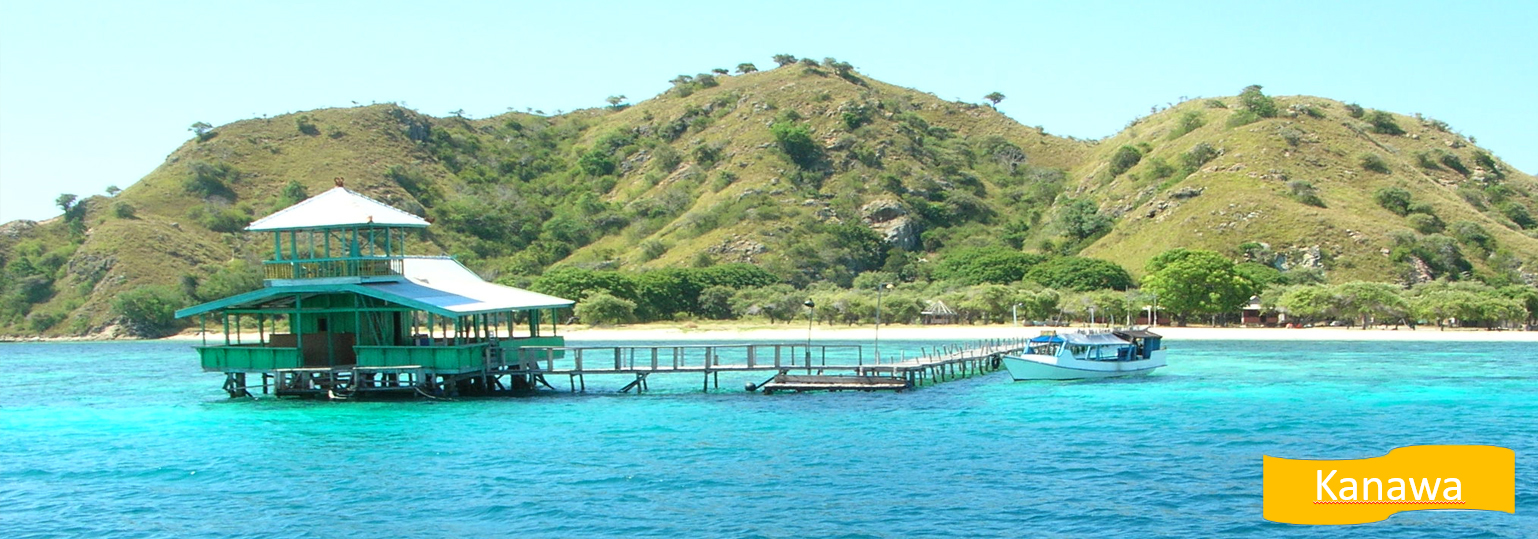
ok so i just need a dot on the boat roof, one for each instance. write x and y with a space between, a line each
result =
1137 334
441 286
1093 339
337 207
1047 339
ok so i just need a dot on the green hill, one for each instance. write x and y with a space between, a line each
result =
814 172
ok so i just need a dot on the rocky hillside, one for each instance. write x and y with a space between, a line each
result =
810 170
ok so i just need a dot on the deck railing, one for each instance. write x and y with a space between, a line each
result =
322 268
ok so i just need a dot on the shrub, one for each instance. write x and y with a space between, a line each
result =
651 249
1394 199
149 310
1471 234
1454 163
41 321
1354 110
601 308
1426 161
223 219
1251 99
1373 163
1425 223
1518 214
123 210
1159 169
1291 135
1484 161
209 179
1383 123
1125 157
1189 121
596 162
1216 104
1242 117
306 125
667 159
1473 196
1198 155
1305 192
796 141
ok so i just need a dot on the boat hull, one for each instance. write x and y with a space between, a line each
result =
1042 367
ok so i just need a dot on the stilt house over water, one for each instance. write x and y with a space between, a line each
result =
343 309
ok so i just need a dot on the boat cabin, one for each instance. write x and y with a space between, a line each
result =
1119 345
341 294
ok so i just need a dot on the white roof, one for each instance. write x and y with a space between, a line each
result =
336 207
447 285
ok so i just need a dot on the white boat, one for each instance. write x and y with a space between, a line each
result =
1077 356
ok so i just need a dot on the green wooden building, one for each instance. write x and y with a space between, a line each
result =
345 311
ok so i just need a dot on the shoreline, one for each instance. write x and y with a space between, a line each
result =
712 331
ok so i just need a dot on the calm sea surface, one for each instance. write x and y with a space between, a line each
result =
130 440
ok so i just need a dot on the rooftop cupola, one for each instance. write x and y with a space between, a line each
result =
338 234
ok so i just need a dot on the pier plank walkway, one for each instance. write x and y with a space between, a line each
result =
940 363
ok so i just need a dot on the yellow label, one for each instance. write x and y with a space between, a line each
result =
1414 478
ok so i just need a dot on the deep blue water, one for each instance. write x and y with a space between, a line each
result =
131 440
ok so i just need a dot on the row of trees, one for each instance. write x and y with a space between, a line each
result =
1443 303
998 285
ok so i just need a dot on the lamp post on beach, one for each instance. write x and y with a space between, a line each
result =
810 308
887 286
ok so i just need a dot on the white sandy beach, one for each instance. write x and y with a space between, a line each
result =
794 333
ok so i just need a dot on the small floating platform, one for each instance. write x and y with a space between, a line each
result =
800 382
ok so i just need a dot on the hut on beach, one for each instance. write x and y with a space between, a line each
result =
344 309
937 312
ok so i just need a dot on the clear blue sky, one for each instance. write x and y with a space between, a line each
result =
97 94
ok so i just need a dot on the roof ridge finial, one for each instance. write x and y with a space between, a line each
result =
338 181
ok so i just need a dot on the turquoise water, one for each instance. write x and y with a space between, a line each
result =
130 440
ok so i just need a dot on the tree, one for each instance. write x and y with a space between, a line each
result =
720 71
1307 302
1080 274
1370 301
987 265
148 310
1193 282
202 130
1255 101
784 59
1081 218
577 283
601 308
112 190
994 98
65 202
746 67
616 101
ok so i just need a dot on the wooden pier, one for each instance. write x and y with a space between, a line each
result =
787 366
793 367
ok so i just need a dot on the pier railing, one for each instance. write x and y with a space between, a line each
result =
321 268
682 358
